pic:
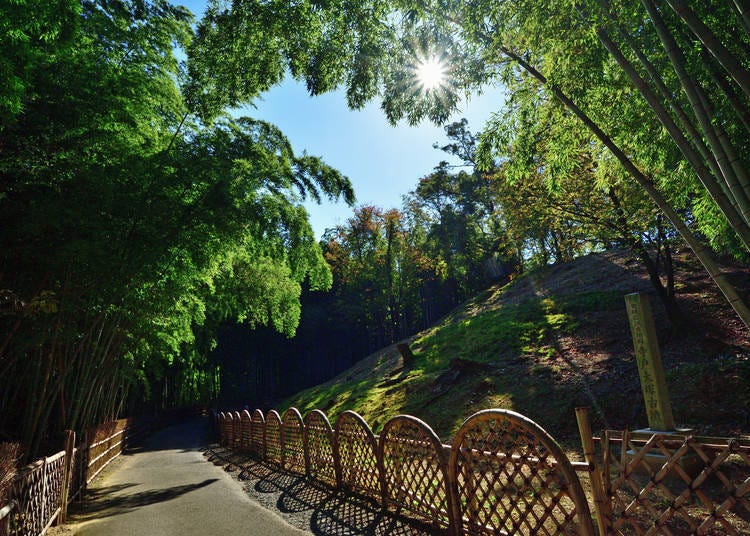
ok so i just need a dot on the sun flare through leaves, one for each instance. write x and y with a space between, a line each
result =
431 72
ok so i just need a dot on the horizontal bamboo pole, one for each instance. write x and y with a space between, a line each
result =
93 445
6 510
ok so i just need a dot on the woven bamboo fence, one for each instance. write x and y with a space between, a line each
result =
502 475
41 491
669 483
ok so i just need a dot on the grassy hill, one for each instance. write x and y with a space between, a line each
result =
552 340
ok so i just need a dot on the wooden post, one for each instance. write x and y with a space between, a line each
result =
85 456
454 504
43 519
70 442
650 368
601 494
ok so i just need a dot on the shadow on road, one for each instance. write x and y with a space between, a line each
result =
332 512
189 436
108 501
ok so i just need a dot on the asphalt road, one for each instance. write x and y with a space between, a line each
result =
168 488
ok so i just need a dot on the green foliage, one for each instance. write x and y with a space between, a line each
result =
29 34
132 232
245 48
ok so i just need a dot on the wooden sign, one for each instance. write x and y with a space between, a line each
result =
648 357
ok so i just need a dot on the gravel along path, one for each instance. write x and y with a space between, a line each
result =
320 510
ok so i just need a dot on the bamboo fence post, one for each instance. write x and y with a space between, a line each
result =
337 458
306 449
454 510
606 461
85 456
601 499
381 470
70 442
43 472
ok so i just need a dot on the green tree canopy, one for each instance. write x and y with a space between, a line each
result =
132 230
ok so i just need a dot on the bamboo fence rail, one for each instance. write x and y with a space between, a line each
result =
5 517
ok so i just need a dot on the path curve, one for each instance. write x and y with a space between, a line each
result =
168 488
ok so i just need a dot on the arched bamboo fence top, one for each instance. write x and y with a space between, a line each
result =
350 421
395 426
318 418
258 416
245 415
321 460
529 459
273 448
294 458
273 417
415 469
293 414
359 464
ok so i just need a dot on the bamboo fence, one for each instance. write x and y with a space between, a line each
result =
41 491
503 474
649 483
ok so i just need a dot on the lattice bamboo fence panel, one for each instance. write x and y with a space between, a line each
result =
105 443
37 492
320 460
257 431
293 441
357 450
223 424
415 470
274 452
512 478
505 474
245 426
672 485
236 430
230 430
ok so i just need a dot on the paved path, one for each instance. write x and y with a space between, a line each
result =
168 488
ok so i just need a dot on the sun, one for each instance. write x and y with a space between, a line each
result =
431 72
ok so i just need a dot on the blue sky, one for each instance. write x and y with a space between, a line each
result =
382 162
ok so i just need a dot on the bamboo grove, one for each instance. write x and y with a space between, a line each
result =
138 216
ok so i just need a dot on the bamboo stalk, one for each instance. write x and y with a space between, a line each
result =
734 100
684 121
70 442
704 256
698 99
727 60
